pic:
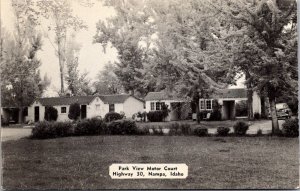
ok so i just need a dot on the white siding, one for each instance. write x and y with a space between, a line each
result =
119 107
31 111
93 111
62 116
132 106
256 104
171 115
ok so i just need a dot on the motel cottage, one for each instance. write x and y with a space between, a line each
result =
91 106
100 105
180 108
227 99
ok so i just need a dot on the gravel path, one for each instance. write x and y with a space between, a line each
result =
9 133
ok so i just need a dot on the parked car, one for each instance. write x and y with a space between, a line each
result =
282 110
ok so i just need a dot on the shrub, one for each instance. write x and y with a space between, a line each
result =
175 129
123 127
259 132
143 131
203 114
186 129
290 128
157 131
4 122
112 116
256 116
155 116
45 130
51 114
240 128
241 108
201 131
165 110
74 111
223 131
142 115
93 126
215 115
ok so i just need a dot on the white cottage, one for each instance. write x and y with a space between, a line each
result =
227 99
179 107
91 106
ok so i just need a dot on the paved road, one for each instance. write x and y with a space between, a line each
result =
14 133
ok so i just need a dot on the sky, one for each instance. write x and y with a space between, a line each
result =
91 56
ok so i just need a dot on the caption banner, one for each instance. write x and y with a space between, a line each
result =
148 171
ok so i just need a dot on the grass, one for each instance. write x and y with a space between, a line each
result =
214 162
207 124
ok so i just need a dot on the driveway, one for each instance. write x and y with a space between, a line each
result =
264 125
11 133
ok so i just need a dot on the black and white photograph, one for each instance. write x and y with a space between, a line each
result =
149 94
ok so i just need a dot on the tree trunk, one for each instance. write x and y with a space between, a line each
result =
249 97
275 126
20 116
249 104
61 62
263 107
198 111
61 80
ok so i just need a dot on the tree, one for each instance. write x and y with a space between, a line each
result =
269 30
125 32
62 15
107 81
74 111
162 45
21 82
78 84
51 113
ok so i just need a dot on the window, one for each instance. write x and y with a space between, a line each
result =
97 107
202 104
111 107
157 105
63 110
208 104
152 106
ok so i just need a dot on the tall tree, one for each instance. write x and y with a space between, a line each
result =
107 81
77 83
269 32
126 32
164 41
20 77
64 22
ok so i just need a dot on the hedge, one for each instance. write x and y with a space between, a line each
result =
46 130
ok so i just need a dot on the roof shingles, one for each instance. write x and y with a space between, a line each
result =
225 93
83 100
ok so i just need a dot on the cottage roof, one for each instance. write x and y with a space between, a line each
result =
52 101
82 100
231 93
112 99
161 96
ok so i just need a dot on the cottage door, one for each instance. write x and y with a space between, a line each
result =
83 111
36 114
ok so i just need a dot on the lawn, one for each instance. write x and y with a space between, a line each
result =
83 162
207 124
